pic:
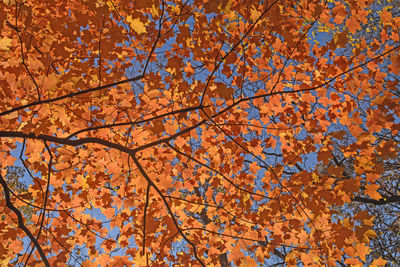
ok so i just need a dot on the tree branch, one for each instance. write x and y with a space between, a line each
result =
383 201
40 102
21 224
151 183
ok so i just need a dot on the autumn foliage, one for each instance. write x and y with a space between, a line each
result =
195 132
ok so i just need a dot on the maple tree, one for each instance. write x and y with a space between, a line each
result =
197 132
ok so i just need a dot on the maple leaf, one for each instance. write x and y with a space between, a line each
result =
189 69
144 4
89 264
371 190
136 24
369 234
140 260
353 25
378 262
5 43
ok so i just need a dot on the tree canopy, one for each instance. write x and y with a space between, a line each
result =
226 133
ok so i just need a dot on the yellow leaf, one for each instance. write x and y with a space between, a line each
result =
5 43
155 10
140 260
137 25
4 262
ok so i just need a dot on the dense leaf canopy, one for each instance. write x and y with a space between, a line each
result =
198 132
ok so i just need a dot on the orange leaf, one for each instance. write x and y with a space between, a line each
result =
371 190
378 262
